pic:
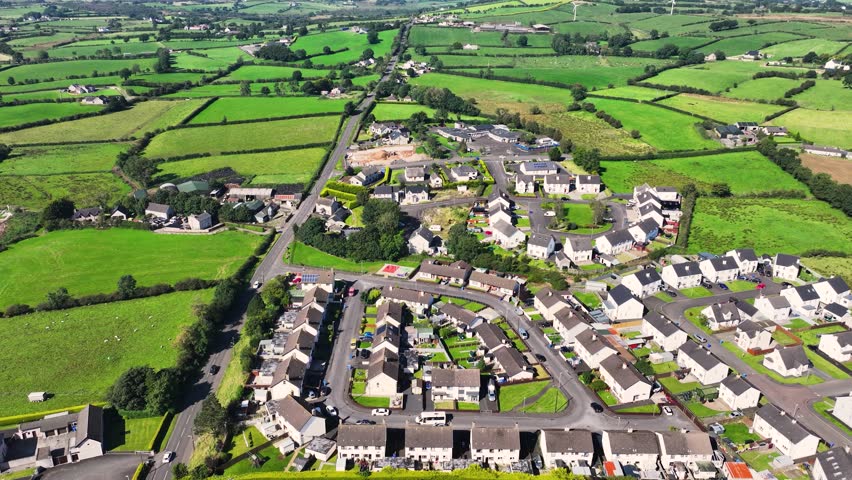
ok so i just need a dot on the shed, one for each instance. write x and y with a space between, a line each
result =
37 396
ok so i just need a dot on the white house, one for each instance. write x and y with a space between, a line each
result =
569 327
643 283
614 242
687 448
415 174
788 436
495 445
701 363
362 442
624 381
557 184
804 300
493 284
638 449
621 305
539 168
569 446
512 365
524 184
645 231
650 211
833 464
753 336
738 394
296 419
837 346
720 269
428 444
507 234
663 332
499 213
785 266
456 384
722 316
540 245
591 349
382 375
746 259
158 210
843 409
578 249
682 275
326 206
788 361
833 290
422 241
367 176
776 309
463 173
455 274
548 302
588 183
416 301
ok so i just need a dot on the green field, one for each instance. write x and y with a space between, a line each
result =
248 108
254 73
50 160
51 95
799 48
246 136
819 126
92 357
142 118
725 111
763 88
768 226
513 396
84 189
34 112
300 254
552 401
826 95
745 172
639 93
680 42
289 166
221 90
429 36
57 85
73 259
129 434
78 68
740 45
714 77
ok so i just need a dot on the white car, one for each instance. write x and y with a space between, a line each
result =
168 455
380 412
668 410
331 411
257 284
549 213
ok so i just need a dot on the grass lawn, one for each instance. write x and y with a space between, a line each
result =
387 111
34 112
607 397
675 386
714 77
768 225
738 45
811 337
823 406
468 406
129 434
650 408
237 444
826 95
639 93
232 138
721 109
759 460
552 401
25 473
796 323
664 367
511 396
248 108
825 366
662 296
702 411
798 48
74 259
589 299
48 160
819 126
739 433
274 462
696 292
92 356
756 362
372 402
301 254
740 285
76 68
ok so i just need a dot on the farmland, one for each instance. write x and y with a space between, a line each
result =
235 109
92 354
798 48
821 127
826 95
740 45
73 259
50 160
36 191
75 68
763 89
34 112
714 77
725 111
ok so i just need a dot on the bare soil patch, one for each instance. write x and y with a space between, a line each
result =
840 169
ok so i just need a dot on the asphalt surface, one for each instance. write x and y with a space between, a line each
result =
112 466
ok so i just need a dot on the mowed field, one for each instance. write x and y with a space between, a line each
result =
289 166
57 159
638 93
798 48
744 172
75 68
740 45
87 261
713 77
722 110
789 226
763 88
84 189
249 108
92 356
34 112
247 136
819 126
826 95
142 118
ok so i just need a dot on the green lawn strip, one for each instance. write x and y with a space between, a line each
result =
811 337
552 401
823 406
34 192
250 108
273 461
739 433
756 362
796 323
759 460
372 402
607 397
675 386
25 473
825 366
511 396
301 254
650 408
468 406
130 434
237 443
720 109
589 299
702 411
696 292
662 296
694 315
664 367
35 112
740 285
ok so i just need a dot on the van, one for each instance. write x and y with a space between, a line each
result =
431 418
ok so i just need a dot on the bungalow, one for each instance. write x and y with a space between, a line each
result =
500 286
548 302
513 365
825 151
833 290
158 210
578 249
833 464
788 361
569 327
428 444
738 393
382 375
746 259
362 442
120 213
455 274
787 435
495 445
418 302
414 194
454 134
835 65
649 211
638 449
367 176
624 381
464 173
591 349
785 266
615 242
682 275
645 231
540 169
804 300
323 280
702 364
588 184
95 100
837 346
753 336
776 309
719 269
507 235
504 136
456 384
571 447
621 305
771 131
540 245
422 241
386 192
722 316
643 283
460 317
295 418
87 214
663 332
524 184
326 206
557 184
415 174
491 337
752 55
390 313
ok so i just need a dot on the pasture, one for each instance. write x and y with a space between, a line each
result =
356 49
51 95
744 172
587 131
143 117
77 68
58 85
799 48
387 111
722 110
740 45
443 36
763 89
638 93
249 108
766 225
826 95
240 137
74 259
84 189
98 343
34 112
289 166
818 126
221 90
714 77
254 73
58 159
680 42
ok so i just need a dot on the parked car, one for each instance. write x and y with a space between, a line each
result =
786 284
524 334
736 413
670 293
716 428
700 338
365 422
256 284
331 411
668 410
427 385
760 286
540 357
380 412
168 455
214 369
597 407
549 213
722 286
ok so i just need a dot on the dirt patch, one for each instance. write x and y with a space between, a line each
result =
386 155
840 169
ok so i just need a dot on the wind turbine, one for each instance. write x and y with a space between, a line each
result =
577 4
673 4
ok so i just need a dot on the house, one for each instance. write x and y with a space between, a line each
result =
541 169
624 381
296 419
787 435
837 313
382 129
643 283
833 464
561 260
501 199
454 134
746 260
337 220
422 241
843 409
682 275
645 231
495 445
728 132
588 184
614 242
500 286
323 280
738 393
390 313
397 137
120 213
752 336
687 448
748 126
591 349
788 361
578 249
663 332
416 301
415 174
804 300
825 151
386 338
201 221
540 245
300 345
752 55
719 269
491 337
77 89
98 100
837 346
158 210
785 266
456 384
460 317
64 437
776 309
464 173
382 375
771 131
548 302
414 194
571 447
557 184
504 136
428 444
361 442
701 363
835 65
367 176
569 327
326 206
638 449
277 379
309 319
507 235
833 290
621 305
649 211
455 274
710 58
513 365
469 46
647 197
524 184
722 316
499 213
386 192
87 214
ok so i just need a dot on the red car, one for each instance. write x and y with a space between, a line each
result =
760 286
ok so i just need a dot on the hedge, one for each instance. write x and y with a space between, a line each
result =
162 429
251 120
676 154
198 110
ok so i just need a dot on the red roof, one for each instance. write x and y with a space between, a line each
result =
737 470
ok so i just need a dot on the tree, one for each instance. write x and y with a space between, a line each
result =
462 244
720 190
326 50
588 160
598 212
810 57
349 109
162 393
635 134
456 46
212 418
125 73
373 37
276 293
180 470
264 90
367 54
61 209
245 88
555 154
5 150
523 41
644 367
296 75
59 298
303 30
164 61
654 34
130 389
126 287
720 55
847 80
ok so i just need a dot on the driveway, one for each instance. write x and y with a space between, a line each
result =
112 466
